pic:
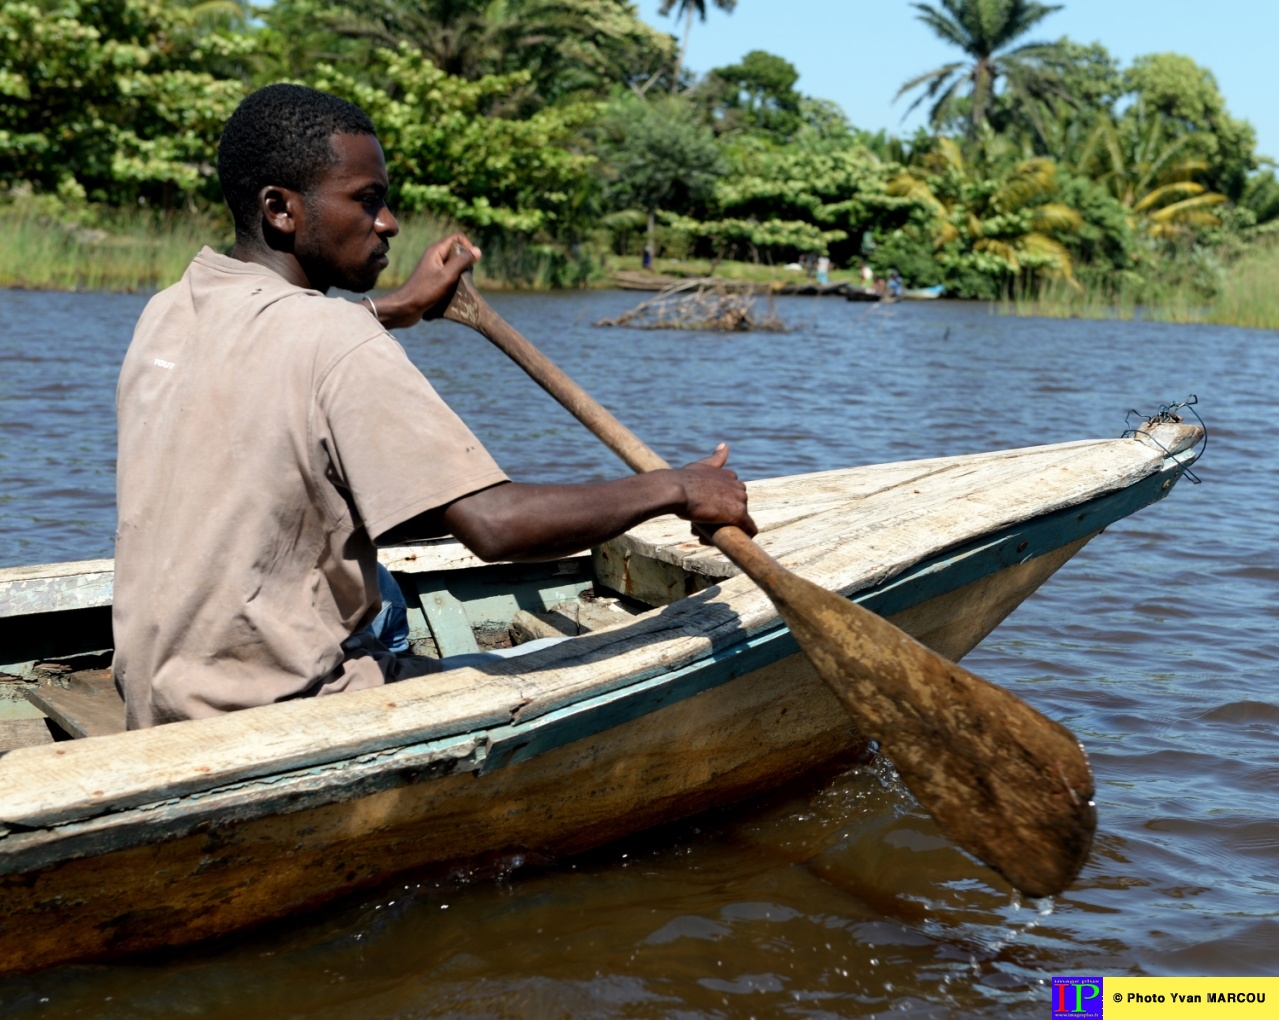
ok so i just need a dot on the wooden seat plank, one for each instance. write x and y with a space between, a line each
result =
89 706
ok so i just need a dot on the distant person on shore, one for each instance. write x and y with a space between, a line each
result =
823 270
868 276
647 260
270 435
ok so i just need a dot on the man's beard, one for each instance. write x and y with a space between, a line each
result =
325 275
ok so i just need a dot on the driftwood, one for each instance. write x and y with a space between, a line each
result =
701 304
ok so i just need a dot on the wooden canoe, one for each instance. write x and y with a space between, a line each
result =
682 692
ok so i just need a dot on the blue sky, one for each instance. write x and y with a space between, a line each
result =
858 53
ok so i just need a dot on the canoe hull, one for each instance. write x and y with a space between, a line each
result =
737 739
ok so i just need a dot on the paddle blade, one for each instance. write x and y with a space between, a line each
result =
1004 782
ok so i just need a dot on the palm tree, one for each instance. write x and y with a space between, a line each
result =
1151 171
455 35
686 9
985 30
1008 212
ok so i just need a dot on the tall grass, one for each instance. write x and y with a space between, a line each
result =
144 251
508 261
1248 295
138 252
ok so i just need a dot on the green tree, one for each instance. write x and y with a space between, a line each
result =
660 156
116 101
686 9
1003 223
814 195
566 47
1261 197
1150 167
986 30
446 155
757 94
1051 124
1186 95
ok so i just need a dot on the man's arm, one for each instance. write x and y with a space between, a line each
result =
523 522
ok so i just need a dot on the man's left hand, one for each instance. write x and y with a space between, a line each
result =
426 293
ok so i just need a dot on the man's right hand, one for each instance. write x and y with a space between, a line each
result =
713 495
426 292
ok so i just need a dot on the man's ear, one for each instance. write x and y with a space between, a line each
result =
281 209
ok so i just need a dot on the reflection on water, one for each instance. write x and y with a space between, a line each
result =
1156 645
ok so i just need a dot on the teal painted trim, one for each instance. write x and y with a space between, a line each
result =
929 579
496 611
446 618
488 597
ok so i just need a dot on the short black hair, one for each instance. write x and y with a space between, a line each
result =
280 135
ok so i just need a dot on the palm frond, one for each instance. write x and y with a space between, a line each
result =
939 110
951 156
1000 249
1021 17
948 28
1055 216
1178 212
1161 196
946 233
1033 180
928 76
907 185
1044 247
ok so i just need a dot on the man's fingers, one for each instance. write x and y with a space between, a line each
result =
716 460
719 458
459 246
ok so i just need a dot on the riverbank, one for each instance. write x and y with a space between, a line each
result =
1248 295
143 252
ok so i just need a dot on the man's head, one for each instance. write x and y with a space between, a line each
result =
304 175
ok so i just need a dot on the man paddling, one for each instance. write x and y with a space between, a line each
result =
270 435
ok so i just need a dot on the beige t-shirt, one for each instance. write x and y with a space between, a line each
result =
267 434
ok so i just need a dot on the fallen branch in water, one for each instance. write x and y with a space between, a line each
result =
699 304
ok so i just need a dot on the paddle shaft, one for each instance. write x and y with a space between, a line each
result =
1005 783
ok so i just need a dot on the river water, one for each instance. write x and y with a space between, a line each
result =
836 898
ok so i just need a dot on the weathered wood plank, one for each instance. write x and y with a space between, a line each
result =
84 778
88 706
956 497
55 587
16 733
447 619
212 881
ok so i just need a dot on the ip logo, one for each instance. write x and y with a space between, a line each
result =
1077 998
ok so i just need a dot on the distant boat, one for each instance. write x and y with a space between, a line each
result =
863 294
924 293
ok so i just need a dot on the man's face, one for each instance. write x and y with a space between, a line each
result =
344 235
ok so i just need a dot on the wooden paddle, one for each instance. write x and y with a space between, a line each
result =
1007 784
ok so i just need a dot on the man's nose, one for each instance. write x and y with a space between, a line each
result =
386 225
